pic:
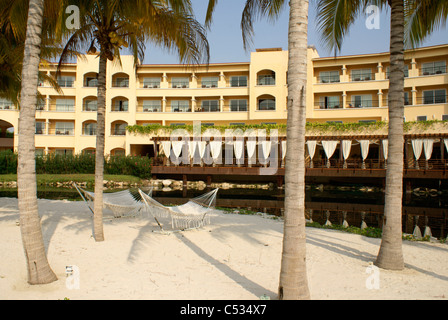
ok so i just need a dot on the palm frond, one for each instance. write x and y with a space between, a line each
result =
254 10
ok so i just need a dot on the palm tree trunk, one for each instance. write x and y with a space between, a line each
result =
390 255
293 277
39 271
99 153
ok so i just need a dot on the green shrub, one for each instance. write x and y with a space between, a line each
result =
83 163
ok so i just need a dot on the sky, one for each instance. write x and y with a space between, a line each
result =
226 45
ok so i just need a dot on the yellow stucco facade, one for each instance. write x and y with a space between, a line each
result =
345 88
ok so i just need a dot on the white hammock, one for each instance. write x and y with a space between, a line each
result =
190 215
122 203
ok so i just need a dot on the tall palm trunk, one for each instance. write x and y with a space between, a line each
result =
39 271
99 153
293 277
390 255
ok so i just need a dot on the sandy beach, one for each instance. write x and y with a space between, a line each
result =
236 257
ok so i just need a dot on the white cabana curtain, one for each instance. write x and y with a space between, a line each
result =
177 149
202 145
215 148
385 148
446 144
427 148
238 146
283 149
329 148
364 151
417 146
250 144
311 145
192 148
266 147
166 147
346 147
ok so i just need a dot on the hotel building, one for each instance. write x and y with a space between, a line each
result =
345 89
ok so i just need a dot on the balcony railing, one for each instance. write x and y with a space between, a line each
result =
328 79
149 108
62 107
433 71
362 77
438 99
66 83
119 132
62 132
89 132
120 84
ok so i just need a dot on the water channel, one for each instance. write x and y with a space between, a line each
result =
358 205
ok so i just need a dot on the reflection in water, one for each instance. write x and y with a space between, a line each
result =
355 207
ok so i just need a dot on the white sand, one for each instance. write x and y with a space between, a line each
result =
236 257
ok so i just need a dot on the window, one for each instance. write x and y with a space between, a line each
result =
65 128
180 82
237 124
151 82
329 76
180 106
434 96
421 118
177 124
362 75
238 105
208 124
238 81
40 104
120 105
431 68
6 104
266 79
209 82
121 82
210 106
40 152
89 129
367 121
64 152
119 129
152 106
269 123
331 102
406 99
67 105
266 104
406 71
66 81
40 127
444 117
90 105
91 82
362 101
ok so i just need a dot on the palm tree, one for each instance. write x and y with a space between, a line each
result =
335 18
39 270
110 26
422 18
293 282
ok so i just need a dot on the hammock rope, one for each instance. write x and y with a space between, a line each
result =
191 215
122 203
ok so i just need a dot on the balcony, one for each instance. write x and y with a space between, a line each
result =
62 131
62 107
436 70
